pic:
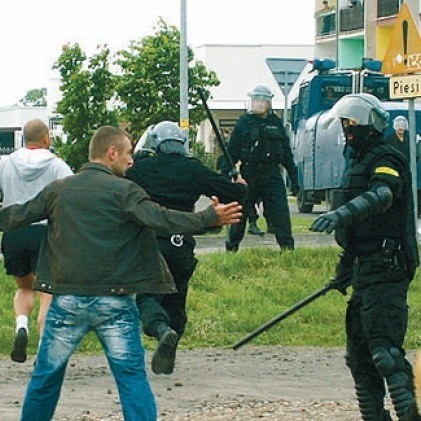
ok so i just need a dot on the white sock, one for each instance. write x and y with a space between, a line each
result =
22 321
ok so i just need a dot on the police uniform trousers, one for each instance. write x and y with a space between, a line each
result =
376 324
170 309
265 181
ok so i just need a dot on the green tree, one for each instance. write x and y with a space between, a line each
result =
149 84
35 98
87 86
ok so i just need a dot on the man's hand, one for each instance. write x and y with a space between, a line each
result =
227 214
326 222
241 180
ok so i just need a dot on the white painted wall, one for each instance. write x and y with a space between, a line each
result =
17 116
239 68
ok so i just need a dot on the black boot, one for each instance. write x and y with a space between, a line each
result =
270 229
254 229
231 247
413 413
163 359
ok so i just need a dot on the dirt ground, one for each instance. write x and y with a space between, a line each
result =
253 383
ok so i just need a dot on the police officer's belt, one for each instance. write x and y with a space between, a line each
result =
369 256
260 164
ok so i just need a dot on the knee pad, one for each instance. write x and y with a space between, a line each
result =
390 364
387 360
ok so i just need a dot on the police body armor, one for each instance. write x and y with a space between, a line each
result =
263 140
396 225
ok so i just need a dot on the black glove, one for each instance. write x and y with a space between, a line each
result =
343 273
326 222
295 188
369 203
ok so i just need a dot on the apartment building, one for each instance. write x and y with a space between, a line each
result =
348 30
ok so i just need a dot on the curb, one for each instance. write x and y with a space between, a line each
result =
210 244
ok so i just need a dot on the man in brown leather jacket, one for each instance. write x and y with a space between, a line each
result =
99 251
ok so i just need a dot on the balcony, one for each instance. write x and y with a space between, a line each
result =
351 19
386 8
326 23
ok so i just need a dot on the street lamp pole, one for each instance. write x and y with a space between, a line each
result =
337 21
184 71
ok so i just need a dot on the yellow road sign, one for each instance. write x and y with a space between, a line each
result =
403 54
184 123
407 86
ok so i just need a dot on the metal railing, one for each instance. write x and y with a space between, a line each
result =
326 23
387 8
352 18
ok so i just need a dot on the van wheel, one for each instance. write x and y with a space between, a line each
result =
303 207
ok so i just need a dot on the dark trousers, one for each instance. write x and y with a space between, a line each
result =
170 309
253 213
376 319
265 182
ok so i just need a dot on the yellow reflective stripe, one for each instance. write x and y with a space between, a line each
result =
386 170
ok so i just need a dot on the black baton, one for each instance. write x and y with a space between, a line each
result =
282 316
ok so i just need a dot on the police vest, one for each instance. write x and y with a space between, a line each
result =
262 140
397 222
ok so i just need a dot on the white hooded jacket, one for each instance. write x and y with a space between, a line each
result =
25 172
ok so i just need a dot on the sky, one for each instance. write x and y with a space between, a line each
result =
33 31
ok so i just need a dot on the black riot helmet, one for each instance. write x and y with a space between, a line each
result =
362 116
364 110
166 137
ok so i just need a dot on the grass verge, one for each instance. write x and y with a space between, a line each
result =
233 294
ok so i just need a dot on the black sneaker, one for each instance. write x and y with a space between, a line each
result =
163 359
18 354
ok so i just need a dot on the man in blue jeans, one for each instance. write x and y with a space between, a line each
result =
100 250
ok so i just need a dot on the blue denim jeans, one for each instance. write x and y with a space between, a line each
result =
115 321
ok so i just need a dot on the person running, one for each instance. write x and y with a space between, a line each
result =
175 180
99 251
23 174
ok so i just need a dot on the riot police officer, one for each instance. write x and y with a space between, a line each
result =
176 181
260 142
375 226
399 139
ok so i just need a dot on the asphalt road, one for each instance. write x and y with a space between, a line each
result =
205 201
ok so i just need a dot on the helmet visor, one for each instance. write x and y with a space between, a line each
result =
146 141
259 105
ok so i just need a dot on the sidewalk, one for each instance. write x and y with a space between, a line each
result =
214 243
